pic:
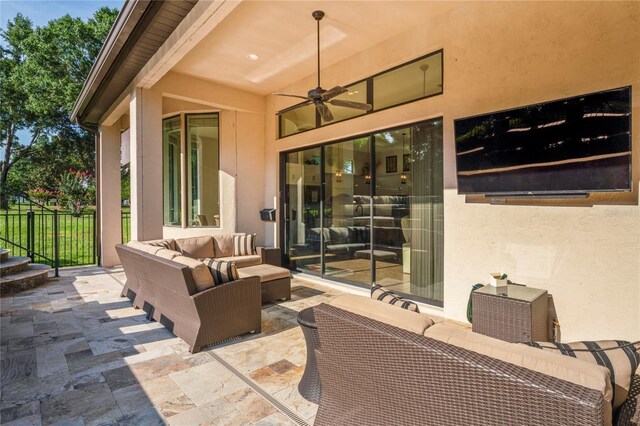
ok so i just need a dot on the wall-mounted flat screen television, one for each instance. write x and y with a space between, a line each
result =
569 146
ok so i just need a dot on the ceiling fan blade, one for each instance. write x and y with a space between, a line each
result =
324 112
296 106
290 96
333 92
351 104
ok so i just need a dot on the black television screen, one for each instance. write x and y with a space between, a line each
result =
573 145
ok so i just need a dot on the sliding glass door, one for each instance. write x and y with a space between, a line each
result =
369 209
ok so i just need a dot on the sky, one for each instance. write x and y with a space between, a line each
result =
42 11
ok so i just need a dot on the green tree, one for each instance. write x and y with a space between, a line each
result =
42 70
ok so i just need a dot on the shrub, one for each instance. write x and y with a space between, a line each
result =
40 195
76 191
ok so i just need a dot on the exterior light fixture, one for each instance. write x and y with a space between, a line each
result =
403 178
367 179
339 176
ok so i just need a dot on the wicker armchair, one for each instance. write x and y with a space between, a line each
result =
376 374
167 293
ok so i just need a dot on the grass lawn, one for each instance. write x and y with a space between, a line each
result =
77 234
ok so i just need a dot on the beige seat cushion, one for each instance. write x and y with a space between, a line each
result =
196 247
572 370
223 245
383 312
202 278
265 272
243 261
168 254
144 247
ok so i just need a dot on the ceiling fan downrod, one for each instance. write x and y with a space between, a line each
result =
318 15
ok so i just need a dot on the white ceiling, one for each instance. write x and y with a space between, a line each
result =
283 35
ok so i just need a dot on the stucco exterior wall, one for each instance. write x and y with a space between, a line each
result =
241 134
502 55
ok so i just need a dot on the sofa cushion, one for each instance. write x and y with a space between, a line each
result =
222 271
143 247
196 247
168 254
202 278
358 234
385 295
338 235
265 272
314 234
223 245
383 312
244 245
619 357
575 371
168 243
243 261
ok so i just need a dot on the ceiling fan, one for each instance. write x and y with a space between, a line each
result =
319 96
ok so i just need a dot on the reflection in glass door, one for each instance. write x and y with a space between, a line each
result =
347 189
369 210
303 234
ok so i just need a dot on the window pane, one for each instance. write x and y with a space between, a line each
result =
303 236
297 120
426 227
202 170
357 93
347 210
171 170
412 81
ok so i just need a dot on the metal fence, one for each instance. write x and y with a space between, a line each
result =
53 237
125 222
47 235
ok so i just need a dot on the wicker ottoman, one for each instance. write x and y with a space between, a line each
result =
310 387
275 281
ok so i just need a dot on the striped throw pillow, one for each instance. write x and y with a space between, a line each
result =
244 245
380 293
222 271
160 243
621 358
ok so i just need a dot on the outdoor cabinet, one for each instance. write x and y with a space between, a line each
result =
513 313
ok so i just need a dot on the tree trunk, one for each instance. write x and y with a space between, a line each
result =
4 173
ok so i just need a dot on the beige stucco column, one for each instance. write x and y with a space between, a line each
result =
109 190
146 164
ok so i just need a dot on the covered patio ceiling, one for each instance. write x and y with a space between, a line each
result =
283 36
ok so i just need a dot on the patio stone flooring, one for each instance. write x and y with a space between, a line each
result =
74 353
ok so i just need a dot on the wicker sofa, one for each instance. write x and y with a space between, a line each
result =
418 373
164 279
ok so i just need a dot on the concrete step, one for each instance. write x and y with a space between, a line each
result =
33 276
13 265
4 254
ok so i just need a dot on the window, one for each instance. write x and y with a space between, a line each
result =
416 80
171 170
412 81
202 170
199 182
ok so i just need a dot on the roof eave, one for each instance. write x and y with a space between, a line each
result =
129 16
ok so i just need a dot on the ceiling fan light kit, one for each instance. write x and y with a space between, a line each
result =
319 96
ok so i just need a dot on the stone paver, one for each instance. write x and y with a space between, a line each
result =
74 352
